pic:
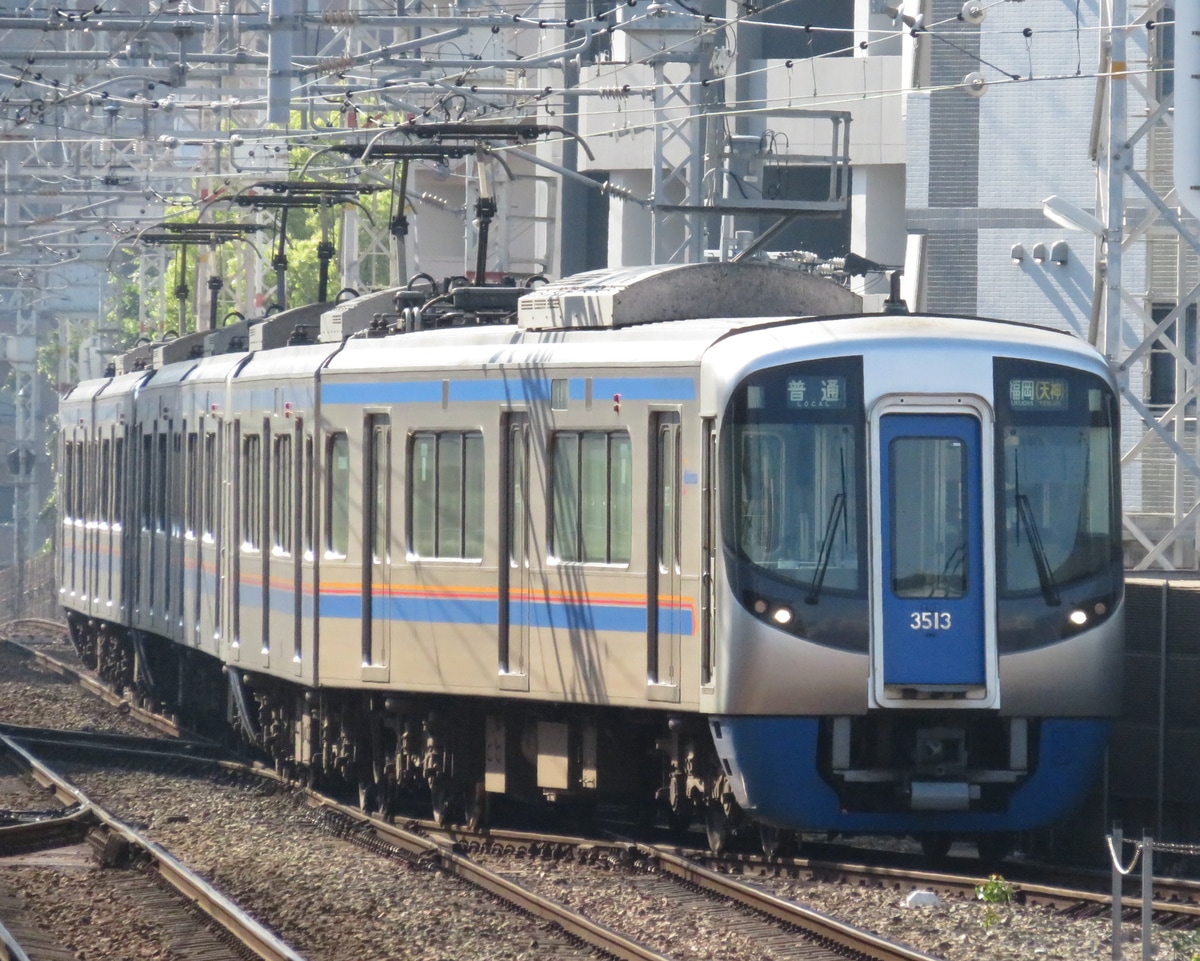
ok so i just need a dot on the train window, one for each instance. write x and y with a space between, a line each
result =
592 498
281 500
337 496
446 494
251 491
792 474
929 517
1057 482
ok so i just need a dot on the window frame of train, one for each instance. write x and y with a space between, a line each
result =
933 627
664 625
376 543
571 485
441 527
283 521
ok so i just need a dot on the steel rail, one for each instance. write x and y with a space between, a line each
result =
184 749
216 905
814 922
90 684
597 935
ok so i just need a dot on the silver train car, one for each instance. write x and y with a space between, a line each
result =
705 538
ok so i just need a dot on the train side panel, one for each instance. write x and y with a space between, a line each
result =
476 599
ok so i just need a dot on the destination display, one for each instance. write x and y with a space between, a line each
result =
816 392
1038 393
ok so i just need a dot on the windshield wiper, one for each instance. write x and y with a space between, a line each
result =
1040 561
837 511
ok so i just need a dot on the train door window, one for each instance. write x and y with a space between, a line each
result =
668 498
251 491
68 481
446 494
592 497
106 482
306 494
69 485
80 479
337 496
928 486
192 480
160 485
210 485
282 477
144 491
118 482
177 485
378 484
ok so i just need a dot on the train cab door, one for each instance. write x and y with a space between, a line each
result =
933 635
663 588
377 532
514 589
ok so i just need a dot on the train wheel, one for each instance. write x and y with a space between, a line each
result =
368 797
718 827
679 817
441 797
936 846
776 842
477 808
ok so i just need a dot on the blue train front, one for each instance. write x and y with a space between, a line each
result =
919 579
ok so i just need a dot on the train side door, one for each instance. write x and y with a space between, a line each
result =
932 633
663 589
377 528
515 602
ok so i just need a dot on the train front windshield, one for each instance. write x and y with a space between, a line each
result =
1057 483
793 474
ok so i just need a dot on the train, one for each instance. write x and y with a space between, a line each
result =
703 540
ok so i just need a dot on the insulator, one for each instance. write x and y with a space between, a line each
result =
335 64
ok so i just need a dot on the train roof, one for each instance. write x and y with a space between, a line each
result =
627 296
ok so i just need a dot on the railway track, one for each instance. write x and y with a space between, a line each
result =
1075 894
703 882
232 934
792 931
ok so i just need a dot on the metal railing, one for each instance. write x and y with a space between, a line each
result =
31 591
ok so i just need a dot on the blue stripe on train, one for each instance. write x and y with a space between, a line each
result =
500 390
457 610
